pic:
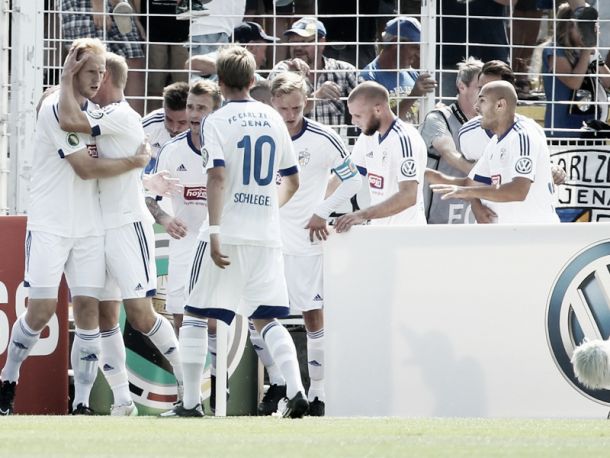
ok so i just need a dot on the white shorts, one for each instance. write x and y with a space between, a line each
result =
48 256
181 255
130 260
304 279
175 288
253 285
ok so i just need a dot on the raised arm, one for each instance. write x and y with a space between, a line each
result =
71 117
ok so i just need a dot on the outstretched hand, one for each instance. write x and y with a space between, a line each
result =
162 184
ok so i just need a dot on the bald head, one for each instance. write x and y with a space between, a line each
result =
501 90
371 92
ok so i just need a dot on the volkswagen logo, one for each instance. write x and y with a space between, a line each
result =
579 308
408 168
523 166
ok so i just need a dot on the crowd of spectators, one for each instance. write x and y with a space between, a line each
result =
319 40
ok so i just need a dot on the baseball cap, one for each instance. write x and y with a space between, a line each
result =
307 27
586 17
404 27
251 31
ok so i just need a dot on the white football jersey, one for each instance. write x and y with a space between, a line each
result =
154 127
182 160
252 142
319 150
398 155
521 152
473 139
60 202
118 133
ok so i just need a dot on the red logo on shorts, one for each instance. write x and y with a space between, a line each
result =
375 181
92 150
195 193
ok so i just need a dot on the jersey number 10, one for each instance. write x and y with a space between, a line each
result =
246 144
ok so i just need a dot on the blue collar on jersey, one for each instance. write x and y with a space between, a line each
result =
189 140
501 137
302 131
383 137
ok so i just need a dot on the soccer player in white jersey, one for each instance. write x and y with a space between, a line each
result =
320 151
240 267
65 233
514 173
129 236
165 123
392 154
181 159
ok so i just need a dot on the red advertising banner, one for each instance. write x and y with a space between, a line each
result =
43 381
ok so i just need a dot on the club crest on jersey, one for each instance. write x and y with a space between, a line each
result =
195 193
523 165
384 157
92 150
408 168
72 139
205 156
375 181
304 157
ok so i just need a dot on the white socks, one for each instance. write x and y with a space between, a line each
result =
112 363
193 351
22 340
163 337
315 364
282 348
212 350
85 356
275 375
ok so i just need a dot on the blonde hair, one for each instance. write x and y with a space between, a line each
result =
371 91
288 82
92 45
207 87
117 67
235 67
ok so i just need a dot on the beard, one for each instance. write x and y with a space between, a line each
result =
372 127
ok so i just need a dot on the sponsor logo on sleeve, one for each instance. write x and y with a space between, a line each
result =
205 156
408 168
73 139
523 166
96 114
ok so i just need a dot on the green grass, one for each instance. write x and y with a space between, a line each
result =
50 436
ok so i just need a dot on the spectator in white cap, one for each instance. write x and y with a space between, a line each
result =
331 80
394 66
